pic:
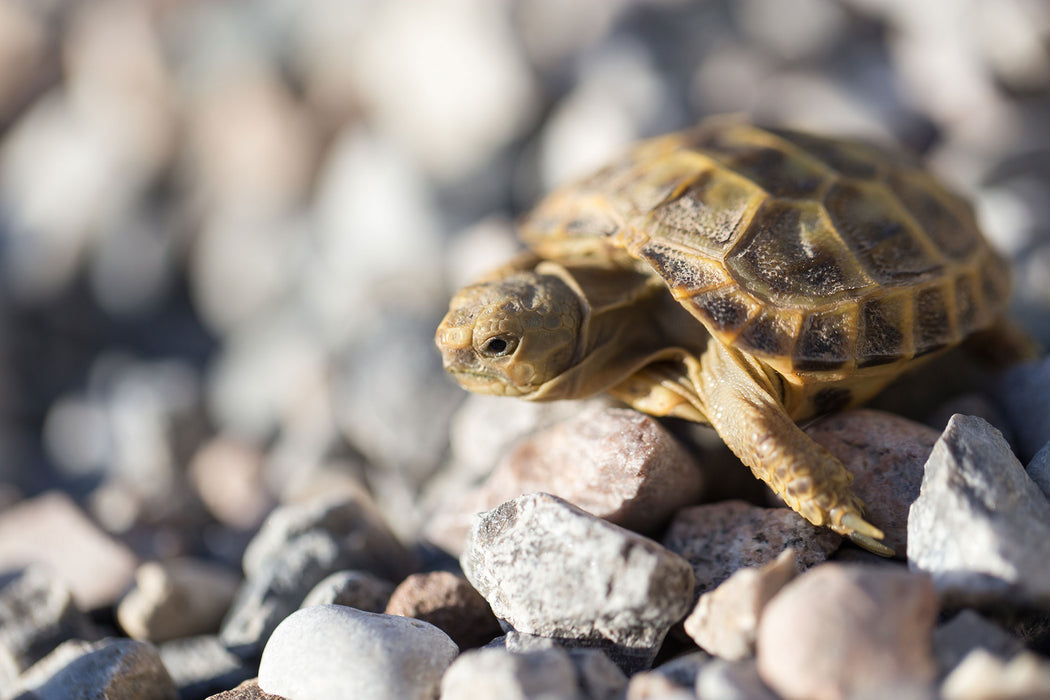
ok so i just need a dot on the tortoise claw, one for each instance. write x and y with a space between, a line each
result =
865 535
872 545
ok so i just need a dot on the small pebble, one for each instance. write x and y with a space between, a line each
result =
332 651
115 669
497 674
732 680
202 665
886 454
1022 394
598 677
449 603
1039 470
672 680
955 639
984 676
550 569
719 538
354 589
980 527
725 620
228 476
841 630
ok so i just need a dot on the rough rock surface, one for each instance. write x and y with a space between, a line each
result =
886 454
980 527
248 690
354 589
725 620
719 538
449 603
852 629
603 585
329 651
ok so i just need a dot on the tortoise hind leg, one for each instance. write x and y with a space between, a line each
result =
742 406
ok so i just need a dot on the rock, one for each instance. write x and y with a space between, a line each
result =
354 589
980 527
843 630
51 530
550 569
227 474
615 463
37 614
725 620
449 603
954 640
497 674
672 680
984 676
202 665
41 672
886 455
732 680
596 674
1039 470
248 690
1022 395
719 538
176 598
330 651
116 669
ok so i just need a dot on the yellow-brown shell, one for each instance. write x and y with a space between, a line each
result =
816 255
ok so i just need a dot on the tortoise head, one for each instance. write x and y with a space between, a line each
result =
511 336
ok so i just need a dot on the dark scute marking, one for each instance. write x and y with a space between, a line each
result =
591 224
722 310
832 398
775 171
823 344
766 335
849 159
879 338
932 325
677 268
965 303
881 236
953 232
706 214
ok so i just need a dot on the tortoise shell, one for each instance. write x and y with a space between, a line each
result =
815 255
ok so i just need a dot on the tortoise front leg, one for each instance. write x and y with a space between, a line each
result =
740 404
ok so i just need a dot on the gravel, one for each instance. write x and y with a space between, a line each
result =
227 234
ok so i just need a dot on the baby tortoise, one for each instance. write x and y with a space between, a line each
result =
819 270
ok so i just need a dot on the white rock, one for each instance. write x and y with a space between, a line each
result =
984 676
328 652
497 674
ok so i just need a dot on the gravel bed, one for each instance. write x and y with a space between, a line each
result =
232 467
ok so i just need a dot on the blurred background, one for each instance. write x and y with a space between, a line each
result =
229 228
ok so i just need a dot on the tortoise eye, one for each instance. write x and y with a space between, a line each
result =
499 346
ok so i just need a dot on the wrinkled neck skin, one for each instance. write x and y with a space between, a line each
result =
630 321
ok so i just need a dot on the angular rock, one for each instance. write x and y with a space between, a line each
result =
725 620
614 463
732 680
51 530
497 674
1039 469
116 669
329 651
248 690
985 676
449 603
354 589
203 665
37 614
886 454
1022 395
719 538
176 598
550 569
843 630
954 640
980 527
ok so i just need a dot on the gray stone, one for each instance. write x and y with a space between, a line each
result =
177 598
719 538
980 527
725 620
203 665
840 631
41 672
732 680
967 631
596 674
448 602
985 676
1022 393
885 453
354 589
1039 470
550 569
37 614
497 674
671 680
332 651
116 669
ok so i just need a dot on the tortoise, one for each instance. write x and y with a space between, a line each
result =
744 277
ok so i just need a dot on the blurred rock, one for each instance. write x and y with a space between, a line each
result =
202 665
852 629
227 475
248 690
886 455
980 527
1038 470
114 668
984 676
176 598
329 651
552 570
354 589
51 530
732 680
496 674
23 38
673 680
719 538
1022 394
954 640
449 603
792 33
